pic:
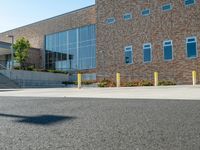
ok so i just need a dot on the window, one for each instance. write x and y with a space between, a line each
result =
110 20
189 2
191 47
128 51
145 12
127 16
167 7
147 53
168 50
73 49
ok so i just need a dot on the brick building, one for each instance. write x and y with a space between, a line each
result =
38 33
132 37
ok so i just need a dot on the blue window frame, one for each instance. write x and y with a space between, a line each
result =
191 47
128 53
127 16
145 12
110 20
189 2
167 7
168 50
147 53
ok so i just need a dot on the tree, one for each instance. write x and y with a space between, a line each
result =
21 50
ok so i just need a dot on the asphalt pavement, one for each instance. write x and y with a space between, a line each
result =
98 124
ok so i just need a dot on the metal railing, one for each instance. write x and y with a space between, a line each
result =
2 67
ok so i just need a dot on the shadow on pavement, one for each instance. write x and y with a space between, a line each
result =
41 119
8 90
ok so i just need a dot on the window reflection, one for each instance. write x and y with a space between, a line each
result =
72 50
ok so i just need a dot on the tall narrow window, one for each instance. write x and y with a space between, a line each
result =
110 20
147 53
191 47
189 2
145 12
128 53
127 16
167 7
168 50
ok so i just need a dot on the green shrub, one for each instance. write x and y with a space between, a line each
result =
68 82
57 71
17 68
89 82
41 70
166 83
30 68
102 84
131 84
145 83
106 83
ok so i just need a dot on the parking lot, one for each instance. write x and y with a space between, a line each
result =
98 124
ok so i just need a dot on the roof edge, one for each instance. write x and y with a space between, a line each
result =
68 13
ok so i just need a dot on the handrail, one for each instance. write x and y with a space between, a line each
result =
2 66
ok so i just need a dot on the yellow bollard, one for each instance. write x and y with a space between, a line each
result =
118 79
194 77
79 80
155 78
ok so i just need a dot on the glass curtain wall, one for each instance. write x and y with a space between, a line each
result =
71 50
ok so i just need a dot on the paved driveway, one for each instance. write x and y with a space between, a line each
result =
98 124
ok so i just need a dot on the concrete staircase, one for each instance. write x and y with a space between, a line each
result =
6 83
39 84
31 79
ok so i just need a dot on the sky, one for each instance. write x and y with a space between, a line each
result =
16 13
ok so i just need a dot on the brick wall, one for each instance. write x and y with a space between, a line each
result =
34 58
178 24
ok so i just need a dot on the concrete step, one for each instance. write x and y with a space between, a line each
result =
6 83
39 84
44 86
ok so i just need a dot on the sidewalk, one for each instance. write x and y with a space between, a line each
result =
169 92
